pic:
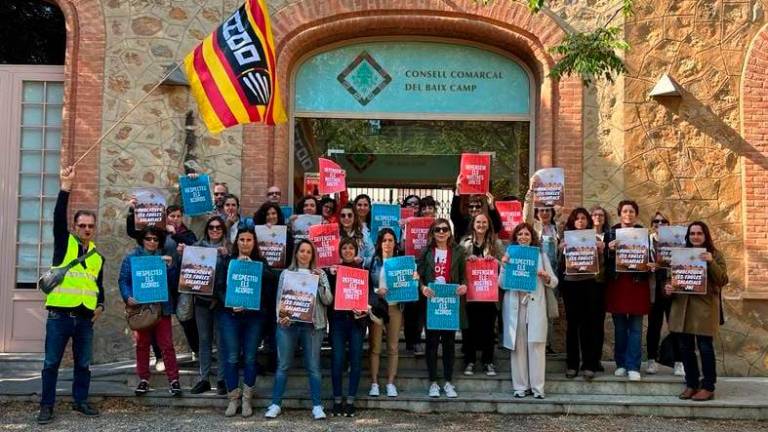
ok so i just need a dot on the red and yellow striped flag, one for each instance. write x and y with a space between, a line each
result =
232 72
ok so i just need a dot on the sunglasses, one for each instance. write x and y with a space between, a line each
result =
475 206
152 239
83 226
219 193
443 229
412 203
346 215
215 227
273 193
660 221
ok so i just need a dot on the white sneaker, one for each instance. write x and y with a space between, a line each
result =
679 369
374 390
391 390
470 369
160 366
634 376
490 369
318 413
620 372
434 390
272 411
450 390
652 367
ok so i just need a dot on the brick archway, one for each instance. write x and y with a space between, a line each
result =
83 95
754 116
307 25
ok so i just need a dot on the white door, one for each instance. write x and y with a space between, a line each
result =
30 144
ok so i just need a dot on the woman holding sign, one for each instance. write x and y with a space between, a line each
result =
582 266
481 244
132 290
308 328
695 318
443 262
241 285
363 209
628 296
525 319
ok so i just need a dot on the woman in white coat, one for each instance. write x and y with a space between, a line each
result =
525 321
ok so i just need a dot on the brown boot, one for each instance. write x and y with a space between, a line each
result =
687 393
247 396
234 402
703 395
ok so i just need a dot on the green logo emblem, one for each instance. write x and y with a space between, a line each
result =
364 78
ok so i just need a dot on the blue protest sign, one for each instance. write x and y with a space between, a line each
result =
196 195
443 308
385 216
398 275
287 211
244 284
520 271
149 279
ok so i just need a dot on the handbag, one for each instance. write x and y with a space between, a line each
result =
143 316
185 307
49 280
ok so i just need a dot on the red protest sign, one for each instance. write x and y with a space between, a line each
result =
325 237
312 184
482 280
511 213
333 178
407 212
416 234
351 289
475 174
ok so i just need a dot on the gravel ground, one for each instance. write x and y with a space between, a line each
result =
125 416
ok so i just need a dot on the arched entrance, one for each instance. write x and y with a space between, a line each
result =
396 114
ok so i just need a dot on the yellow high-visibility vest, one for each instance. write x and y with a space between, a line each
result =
79 284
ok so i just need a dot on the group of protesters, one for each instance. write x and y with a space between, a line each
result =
520 321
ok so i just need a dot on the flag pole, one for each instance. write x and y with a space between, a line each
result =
120 120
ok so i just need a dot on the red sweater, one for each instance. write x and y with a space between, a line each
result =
627 296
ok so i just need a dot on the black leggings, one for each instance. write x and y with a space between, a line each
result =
585 316
434 339
481 333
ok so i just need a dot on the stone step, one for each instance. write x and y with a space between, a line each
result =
737 398
20 365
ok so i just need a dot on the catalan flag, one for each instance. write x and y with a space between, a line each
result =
232 72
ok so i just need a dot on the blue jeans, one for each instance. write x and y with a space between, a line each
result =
239 331
207 329
628 332
688 343
287 339
346 331
59 328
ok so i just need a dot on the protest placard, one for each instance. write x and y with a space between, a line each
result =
408 212
417 234
689 271
385 216
351 289
332 177
520 272
149 279
196 195
300 225
198 270
244 284
443 308
150 208
670 236
398 275
475 172
580 252
287 211
272 241
326 239
511 213
631 250
482 280
312 184
548 185
297 299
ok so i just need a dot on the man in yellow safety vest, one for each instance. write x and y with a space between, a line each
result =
74 305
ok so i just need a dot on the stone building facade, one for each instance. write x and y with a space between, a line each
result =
703 155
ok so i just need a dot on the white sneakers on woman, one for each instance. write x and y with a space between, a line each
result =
679 369
652 367
374 390
318 413
391 390
434 390
620 372
448 388
634 376
272 411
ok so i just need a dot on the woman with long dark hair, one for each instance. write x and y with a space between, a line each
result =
350 226
584 300
362 204
695 319
442 261
240 329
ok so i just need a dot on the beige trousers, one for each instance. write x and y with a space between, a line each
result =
393 340
528 359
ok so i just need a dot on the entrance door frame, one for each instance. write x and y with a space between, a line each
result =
20 308
533 97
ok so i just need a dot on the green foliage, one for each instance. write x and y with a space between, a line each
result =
590 55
